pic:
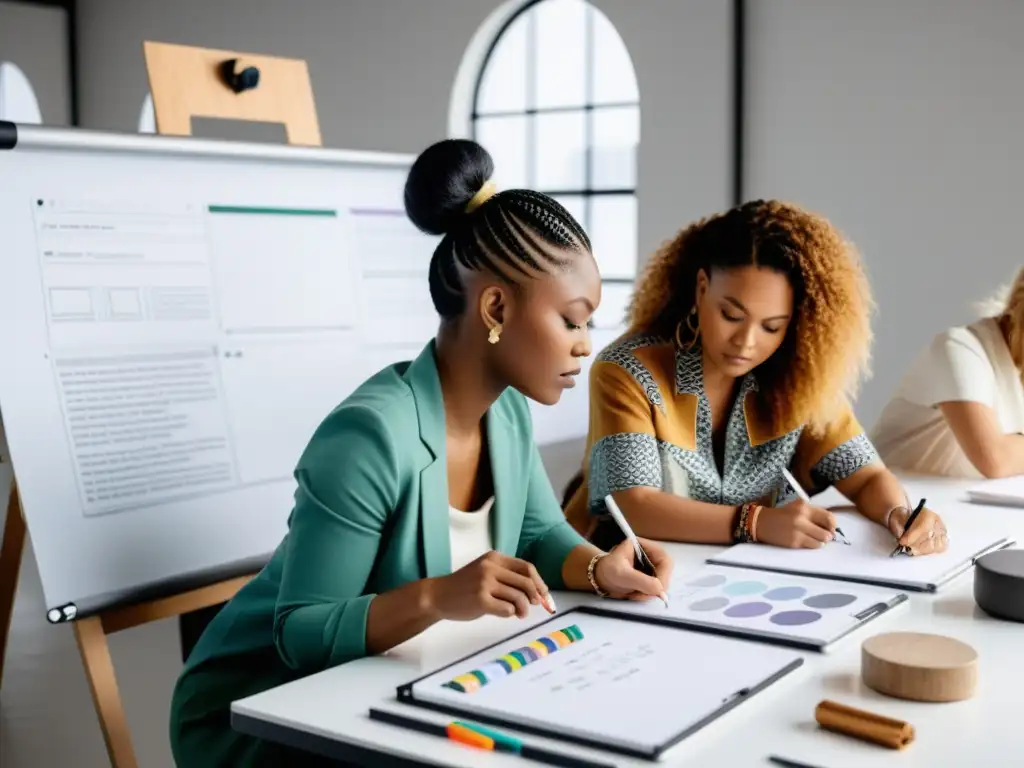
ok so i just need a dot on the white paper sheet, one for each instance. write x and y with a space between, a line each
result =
867 558
651 683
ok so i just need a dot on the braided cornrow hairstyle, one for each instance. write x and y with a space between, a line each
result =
816 371
515 234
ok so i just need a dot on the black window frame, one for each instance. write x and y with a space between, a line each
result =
587 192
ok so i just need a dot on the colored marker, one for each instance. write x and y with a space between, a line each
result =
480 737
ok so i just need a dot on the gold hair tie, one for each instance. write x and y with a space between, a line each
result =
485 193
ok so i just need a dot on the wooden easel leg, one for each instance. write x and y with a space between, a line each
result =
99 669
10 566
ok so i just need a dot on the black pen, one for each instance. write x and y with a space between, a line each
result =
901 550
787 763
488 739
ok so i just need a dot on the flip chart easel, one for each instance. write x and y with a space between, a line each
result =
185 82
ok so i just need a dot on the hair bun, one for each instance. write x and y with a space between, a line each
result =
442 181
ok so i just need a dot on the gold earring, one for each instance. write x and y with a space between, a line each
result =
495 334
693 325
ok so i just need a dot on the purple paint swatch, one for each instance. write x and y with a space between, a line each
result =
748 610
709 604
785 593
829 600
794 618
708 581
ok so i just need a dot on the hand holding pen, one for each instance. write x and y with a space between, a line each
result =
635 569
917 532
798 524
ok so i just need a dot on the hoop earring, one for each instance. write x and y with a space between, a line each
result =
693 326
495 334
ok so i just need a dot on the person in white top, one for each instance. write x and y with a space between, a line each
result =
959 410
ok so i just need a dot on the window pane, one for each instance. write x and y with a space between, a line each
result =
561 151
503 82
505 139
576 205
561 53
613 234
18 101
614 77
613 156
614 301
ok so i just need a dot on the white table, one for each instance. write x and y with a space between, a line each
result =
329 709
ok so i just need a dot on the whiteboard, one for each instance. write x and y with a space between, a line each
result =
176 318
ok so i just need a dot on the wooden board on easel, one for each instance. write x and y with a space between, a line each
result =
185 82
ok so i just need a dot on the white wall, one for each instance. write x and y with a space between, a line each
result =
901 121
35 37
382 74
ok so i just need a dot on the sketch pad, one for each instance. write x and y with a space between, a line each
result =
1004 491
866 560
620 685
797 611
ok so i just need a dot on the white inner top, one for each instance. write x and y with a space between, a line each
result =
470 537
469 534
969 363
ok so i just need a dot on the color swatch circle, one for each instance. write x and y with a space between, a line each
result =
708 581
829 600
784 593
709 604
748 610
745 588
794 618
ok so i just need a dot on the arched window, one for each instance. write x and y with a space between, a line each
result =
17 98
556 104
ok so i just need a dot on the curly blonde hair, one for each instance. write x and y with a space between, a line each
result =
815 374
1014 314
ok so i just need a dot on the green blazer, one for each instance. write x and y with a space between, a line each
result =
370 514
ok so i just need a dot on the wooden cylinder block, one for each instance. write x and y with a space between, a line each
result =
919 667
867 726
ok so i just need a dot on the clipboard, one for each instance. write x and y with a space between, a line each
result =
810 614
675 682
866 560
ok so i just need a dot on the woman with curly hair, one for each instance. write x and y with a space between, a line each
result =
959 410
747 336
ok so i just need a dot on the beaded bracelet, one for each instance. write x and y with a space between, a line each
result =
753 521
744 530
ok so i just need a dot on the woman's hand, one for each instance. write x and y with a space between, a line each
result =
616 575
927 536
493 584
797 525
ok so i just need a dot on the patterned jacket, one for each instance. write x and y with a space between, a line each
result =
650 425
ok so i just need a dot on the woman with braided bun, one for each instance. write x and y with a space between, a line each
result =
421 498
747 336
